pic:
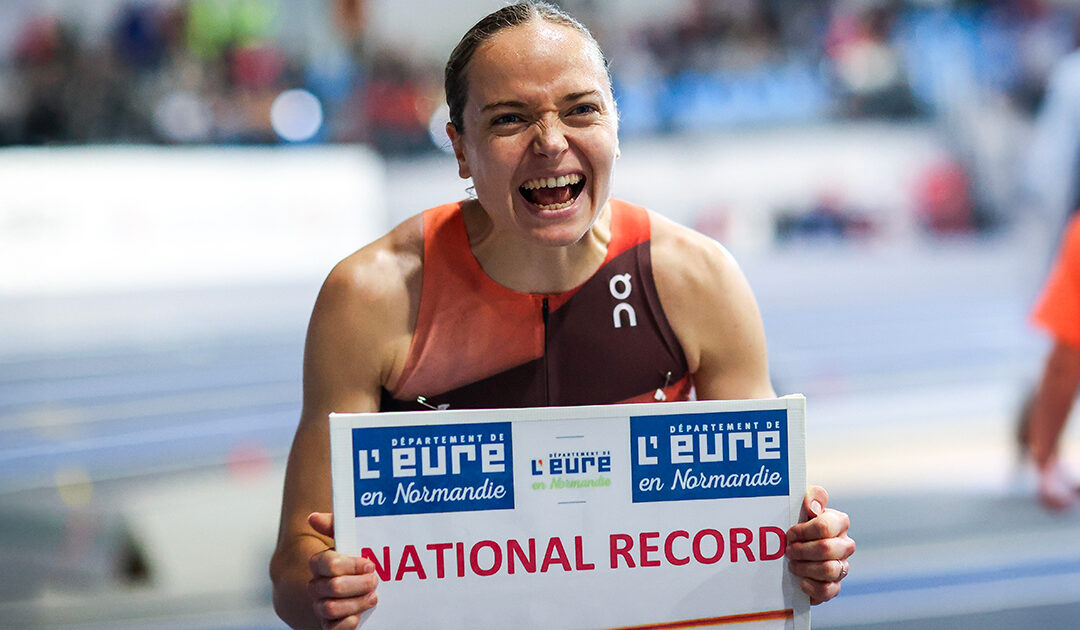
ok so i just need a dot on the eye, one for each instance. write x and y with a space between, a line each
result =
584 109
506 119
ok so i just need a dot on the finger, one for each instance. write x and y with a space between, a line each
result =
828 571
322 522
814 502
343 586
331 609
819 591
830 524
838 548
351 622
330 563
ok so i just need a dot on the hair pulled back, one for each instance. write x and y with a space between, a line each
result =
456 81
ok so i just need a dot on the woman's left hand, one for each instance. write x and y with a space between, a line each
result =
818 547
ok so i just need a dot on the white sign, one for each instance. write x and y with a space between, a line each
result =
668 515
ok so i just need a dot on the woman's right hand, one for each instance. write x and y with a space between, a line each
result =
343 586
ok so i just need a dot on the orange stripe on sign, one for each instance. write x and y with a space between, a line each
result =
715 621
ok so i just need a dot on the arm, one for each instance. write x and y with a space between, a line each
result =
1049 412
709 304
1053 401
1057 311
360 319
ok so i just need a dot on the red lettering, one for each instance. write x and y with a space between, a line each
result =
669 543
645 548
763 545
696 547
707 546
741 539
579 551
474 554
555 554
381 569
513 549
619 545
459 549
410 561
439 548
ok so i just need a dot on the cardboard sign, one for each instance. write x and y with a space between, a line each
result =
668 515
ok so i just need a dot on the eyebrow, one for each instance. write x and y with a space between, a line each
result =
574 96
501 104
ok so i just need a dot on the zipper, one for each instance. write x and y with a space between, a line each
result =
544 313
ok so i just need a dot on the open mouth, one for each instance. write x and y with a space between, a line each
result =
553 193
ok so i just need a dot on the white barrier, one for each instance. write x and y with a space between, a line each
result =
745 179
87 219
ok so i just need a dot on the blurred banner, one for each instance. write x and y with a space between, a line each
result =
101 218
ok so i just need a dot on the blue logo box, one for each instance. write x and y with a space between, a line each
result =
429 469
709 455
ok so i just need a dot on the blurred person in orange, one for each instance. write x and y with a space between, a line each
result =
1058 313
479 303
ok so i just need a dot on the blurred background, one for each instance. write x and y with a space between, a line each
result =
178 176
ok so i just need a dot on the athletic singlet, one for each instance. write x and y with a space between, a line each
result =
478 344
1058 308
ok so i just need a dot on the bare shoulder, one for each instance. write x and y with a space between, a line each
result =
695 275
688 260
712 310
379 270
366 308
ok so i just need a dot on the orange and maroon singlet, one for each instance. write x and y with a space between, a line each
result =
478 344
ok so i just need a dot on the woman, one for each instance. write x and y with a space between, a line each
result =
513 299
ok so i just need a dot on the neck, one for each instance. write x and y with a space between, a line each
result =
530 267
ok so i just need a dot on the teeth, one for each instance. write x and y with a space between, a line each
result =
556 206
552 182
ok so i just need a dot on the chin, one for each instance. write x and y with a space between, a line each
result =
558 239
558 231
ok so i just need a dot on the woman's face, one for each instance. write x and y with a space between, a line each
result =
540 136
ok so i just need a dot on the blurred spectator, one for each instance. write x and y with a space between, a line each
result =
196 71
395 110
1053 182
713 35
44 56
139 37
873 81
11 107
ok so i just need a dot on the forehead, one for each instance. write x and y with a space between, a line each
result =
535 57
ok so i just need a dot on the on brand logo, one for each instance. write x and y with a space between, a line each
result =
620 289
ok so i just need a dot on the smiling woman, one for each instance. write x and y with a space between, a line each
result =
543 290
538 112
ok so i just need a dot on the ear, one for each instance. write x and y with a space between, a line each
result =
459 151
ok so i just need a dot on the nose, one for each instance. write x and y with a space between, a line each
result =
550 140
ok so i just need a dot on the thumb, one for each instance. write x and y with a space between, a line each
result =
814 502
322 522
